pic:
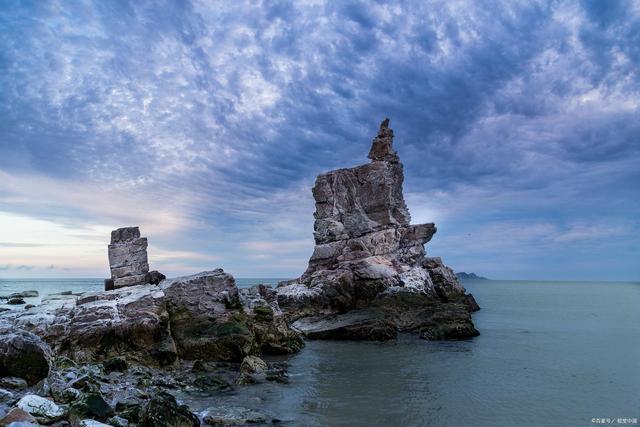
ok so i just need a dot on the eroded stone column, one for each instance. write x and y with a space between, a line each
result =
127 258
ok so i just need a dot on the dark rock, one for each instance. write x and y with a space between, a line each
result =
471 302
16 301
163 411
97 406
115 364
109 285
13 383
155 277
129 409
24 355
28 306
212 383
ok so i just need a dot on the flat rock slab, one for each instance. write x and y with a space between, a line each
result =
367 324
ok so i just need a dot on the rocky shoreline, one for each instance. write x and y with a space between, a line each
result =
115 357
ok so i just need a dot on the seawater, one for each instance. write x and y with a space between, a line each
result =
549 354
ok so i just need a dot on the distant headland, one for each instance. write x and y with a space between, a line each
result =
469 276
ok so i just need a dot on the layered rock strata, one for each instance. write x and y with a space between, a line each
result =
368 256
128 260
128 257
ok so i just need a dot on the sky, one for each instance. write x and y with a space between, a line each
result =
206 123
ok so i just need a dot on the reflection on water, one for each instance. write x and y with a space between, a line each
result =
549 354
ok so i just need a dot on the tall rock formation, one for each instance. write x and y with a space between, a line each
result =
128 260
367 251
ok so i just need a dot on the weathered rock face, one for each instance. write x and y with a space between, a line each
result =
366 251
23 355
202 317
128 257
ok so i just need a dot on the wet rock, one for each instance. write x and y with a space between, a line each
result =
17 415
43 410
28 306
233 416
24 355
252 370
25 294
16 301
367 250
5 396
163 411
118 422
13 383
212 383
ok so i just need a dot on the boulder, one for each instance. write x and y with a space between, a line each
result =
205 316
367 250
16 301
17 415
45 411
155 277
163 411
23 354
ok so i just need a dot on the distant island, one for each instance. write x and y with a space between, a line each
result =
469 276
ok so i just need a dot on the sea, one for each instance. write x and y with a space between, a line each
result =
550 353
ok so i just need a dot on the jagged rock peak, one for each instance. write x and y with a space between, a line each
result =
382 147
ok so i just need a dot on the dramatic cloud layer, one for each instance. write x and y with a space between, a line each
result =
206 123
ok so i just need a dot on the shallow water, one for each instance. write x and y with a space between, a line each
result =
549 353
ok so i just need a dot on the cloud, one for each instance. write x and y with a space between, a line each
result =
207 123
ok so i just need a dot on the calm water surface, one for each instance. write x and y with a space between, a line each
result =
549 353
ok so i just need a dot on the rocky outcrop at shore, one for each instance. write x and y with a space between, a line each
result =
368 276
194 317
